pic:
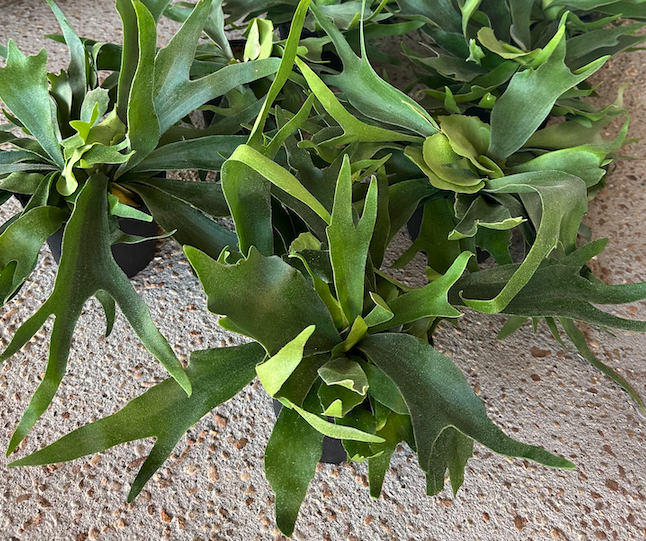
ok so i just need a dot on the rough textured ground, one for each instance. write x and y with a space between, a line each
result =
214 488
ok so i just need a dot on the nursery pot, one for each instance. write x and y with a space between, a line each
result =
131 258
333 450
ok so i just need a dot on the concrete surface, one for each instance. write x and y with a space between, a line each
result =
213 486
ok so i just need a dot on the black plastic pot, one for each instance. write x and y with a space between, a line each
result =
332 59
131 258
333 450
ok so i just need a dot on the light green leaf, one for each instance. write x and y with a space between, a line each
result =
331 430
349 244
283 72
259 34
346 373
487 37
381 313
358 331
468 8
469 137
583 161
95 105
484 213
528 100
278 368
290 127
119 209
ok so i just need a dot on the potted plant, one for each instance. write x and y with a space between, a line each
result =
93 154
317 196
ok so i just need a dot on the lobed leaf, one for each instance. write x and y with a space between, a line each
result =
349 244
164 412
429 301
369 93
78 79
86 266
563 202
292 454
20 243
24 89
438 397
142 120
528 99
266 299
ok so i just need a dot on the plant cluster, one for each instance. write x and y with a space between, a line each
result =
320 164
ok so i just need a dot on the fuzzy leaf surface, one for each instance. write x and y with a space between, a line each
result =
24 89
438 396
349 244
164 412
530 96
266 299
86 266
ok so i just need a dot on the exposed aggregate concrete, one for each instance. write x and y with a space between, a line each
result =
213 486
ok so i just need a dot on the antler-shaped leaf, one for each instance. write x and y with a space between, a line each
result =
349 244
86 267
563 203
353 128
20 244
76 72
266 299
368 92
175 94
24 89
163 412
529 98
439 397
429 301
557 289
